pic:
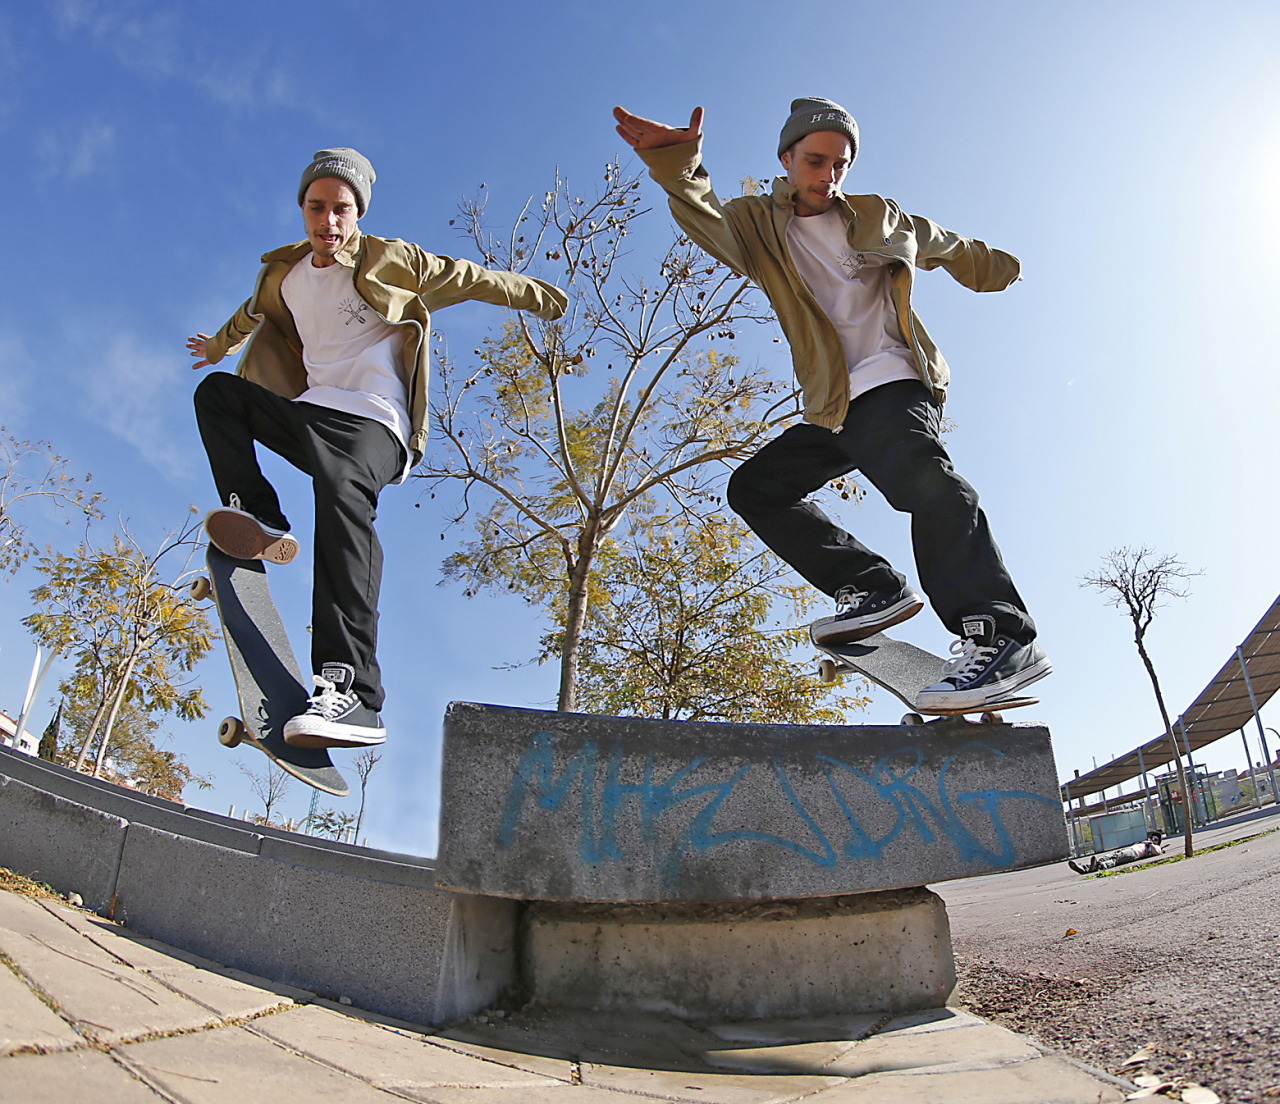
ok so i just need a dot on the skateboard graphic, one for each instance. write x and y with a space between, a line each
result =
268 681
904 670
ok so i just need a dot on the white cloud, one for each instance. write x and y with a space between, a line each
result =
143 396
76 153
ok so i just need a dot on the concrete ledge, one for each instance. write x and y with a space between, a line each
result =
875 952
565 806
335 919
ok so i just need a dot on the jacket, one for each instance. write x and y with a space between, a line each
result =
402 282
749 234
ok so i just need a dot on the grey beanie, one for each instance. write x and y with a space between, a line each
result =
348 165
811 113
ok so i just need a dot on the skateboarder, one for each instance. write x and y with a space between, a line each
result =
838 270
333 378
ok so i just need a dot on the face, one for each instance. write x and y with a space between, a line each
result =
817 166
329 215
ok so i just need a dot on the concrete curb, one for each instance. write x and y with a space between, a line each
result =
338 920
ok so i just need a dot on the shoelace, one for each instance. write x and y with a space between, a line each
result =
969 659
848 597
328 702
233 501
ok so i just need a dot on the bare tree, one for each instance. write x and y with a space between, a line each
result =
30 473
270 785
1139 581
365 762
560 432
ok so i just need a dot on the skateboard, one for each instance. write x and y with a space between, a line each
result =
268 681
904 670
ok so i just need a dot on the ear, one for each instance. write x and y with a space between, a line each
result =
785 158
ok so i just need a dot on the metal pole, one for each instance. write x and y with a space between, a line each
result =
1262 738
1189 799
1071 817
1146 791
1248 762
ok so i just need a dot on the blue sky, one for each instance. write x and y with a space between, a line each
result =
1124 392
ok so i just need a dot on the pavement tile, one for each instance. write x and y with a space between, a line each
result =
930 1020
81 1075
390 1059
230 994
1044 1080
26 1021
793 1058
785 1032
105 999
233 1065
696 1084
545 1094
971 1047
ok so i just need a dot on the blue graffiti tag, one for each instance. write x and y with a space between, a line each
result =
892 779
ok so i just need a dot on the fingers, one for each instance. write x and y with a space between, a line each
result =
695 122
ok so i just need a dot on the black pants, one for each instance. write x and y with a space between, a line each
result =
890 435
350 459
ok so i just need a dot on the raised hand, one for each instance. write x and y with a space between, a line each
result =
196 345
641 133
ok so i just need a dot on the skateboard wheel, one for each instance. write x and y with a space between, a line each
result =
827 670
912 719
199 589
231 731
991 716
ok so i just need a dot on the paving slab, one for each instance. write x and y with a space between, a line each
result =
81 1075
103 998
229 994
26 1022
540 805
232 1065
399 1060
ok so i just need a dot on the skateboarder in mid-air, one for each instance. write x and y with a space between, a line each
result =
333 378
838 270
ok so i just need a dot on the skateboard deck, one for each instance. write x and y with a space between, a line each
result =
268 681
904 670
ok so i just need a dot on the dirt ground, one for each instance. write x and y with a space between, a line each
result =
1179 960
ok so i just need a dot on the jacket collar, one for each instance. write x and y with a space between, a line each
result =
347 255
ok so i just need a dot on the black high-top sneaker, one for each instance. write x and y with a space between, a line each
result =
860 614
989 667
335 716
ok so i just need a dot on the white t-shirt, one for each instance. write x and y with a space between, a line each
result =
853 290
352 356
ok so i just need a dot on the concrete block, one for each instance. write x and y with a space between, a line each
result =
389 947
310 852
874 952
568 806
69 846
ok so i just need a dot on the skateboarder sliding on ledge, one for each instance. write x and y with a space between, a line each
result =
333 378
838 270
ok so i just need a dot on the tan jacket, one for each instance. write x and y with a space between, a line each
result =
402 282
749 234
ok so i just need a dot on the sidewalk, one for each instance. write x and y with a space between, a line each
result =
91 1011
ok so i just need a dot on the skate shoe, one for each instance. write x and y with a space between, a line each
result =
241 535
860 614
989 668
335 716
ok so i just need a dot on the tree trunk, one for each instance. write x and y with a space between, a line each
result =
1188 850
575 619
121 689
93 729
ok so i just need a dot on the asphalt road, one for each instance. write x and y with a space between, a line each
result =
1180 958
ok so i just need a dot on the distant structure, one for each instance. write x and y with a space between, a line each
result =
9 732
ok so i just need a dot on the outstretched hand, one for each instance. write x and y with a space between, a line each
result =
196 345
641 133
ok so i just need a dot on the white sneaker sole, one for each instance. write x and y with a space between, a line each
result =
242 537
947 697
315 733
850 631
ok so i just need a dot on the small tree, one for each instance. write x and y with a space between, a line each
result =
1139 581
49 741
331 823
682 632
365 762
31 473
270 784
560 433
133 634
